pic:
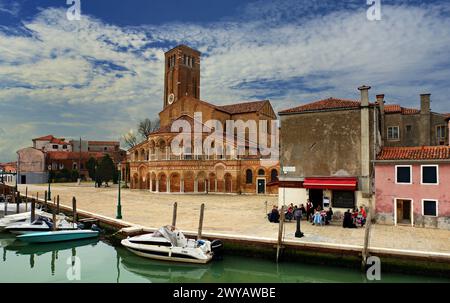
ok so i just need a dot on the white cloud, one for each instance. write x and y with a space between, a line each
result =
277 50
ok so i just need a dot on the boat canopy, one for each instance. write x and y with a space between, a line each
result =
169 233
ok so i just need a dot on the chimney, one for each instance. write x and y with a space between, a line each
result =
425 120
364 95
380 101
425 104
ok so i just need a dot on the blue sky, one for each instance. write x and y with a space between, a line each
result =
99 76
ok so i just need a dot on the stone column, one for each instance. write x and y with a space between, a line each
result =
151 184
157 185
206 184
181 185
195 185
168 185
215 185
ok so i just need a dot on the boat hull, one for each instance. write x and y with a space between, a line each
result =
152 255
58 236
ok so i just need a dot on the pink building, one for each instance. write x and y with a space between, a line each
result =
413 186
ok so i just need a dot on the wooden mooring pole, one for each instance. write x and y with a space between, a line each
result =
200 222
44 207
174 215
366 239
55 224
33 209
17 202
6 206
26 199
280 232
57 204
74 209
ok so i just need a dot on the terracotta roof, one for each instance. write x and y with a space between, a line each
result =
415 153
51 138
397 109
240 108
62 155
103 142
325 104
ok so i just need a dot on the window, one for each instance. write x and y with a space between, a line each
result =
403 174
55 146
441 131
430 208
64 146
430 174
343 199
74 166
261 172
274 175
393 133
408 128
105 148
61 166
248 176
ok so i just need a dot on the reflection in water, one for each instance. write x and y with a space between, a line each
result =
162 271
102 262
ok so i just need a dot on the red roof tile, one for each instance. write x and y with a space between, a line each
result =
395 108
240 108
415 153
325 104
51 139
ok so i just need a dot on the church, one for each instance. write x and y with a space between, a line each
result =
234 165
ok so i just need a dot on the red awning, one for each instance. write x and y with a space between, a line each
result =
331 183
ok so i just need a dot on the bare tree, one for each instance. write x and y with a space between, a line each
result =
147 126
130 139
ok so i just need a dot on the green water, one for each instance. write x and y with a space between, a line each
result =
101 262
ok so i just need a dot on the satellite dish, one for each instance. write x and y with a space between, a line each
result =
171 98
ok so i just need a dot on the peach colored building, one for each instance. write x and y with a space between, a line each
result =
413 186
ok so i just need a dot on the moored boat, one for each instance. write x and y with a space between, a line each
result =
58 236
41 224
169 244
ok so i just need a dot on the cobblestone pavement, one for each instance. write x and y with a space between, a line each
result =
235 214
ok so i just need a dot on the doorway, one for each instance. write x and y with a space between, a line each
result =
403 212
261 186
23 179
316 197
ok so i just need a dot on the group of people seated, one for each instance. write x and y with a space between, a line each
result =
315 216
355 218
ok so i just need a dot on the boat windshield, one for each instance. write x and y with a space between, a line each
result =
168 232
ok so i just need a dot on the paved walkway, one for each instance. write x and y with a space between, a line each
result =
235 214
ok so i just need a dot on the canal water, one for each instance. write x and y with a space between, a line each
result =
98 261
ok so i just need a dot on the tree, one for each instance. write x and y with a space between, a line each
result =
91 165
105 170
147 126
130 139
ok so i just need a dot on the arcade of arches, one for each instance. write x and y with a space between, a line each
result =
220 177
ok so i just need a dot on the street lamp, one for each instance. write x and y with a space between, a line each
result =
49 197
119 206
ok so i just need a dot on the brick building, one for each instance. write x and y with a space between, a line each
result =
154 165
333 157
51 154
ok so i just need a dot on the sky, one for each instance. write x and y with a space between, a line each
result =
97 77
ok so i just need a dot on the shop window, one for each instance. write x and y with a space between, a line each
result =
343 199
403 174
430 174
430 208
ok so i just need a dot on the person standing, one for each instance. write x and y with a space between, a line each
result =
309 209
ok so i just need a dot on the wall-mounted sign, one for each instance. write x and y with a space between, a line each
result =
288 169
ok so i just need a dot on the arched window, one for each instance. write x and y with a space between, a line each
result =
274 175
248 176
261 172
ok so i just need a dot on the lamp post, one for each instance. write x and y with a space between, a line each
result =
119 206
49 197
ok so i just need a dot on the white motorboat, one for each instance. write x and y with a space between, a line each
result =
169 244
41 224
25 217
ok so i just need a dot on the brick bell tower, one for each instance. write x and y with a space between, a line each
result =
182 74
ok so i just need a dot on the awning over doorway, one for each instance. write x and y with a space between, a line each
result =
343 183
